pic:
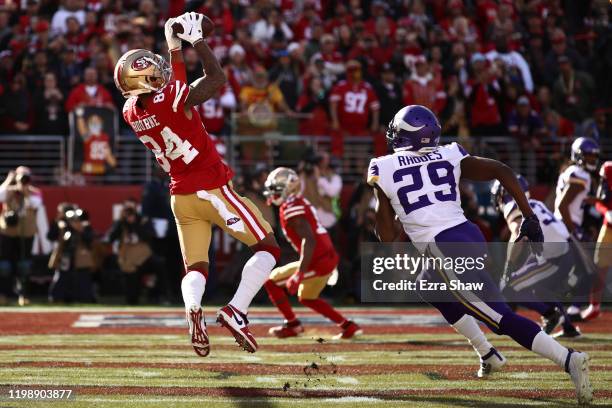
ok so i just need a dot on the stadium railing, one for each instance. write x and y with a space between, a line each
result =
271 147
45 155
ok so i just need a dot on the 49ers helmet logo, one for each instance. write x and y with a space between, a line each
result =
141 64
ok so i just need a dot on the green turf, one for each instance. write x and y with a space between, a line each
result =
335 372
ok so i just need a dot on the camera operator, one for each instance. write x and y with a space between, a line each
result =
322 187
135 258
20 203
72 257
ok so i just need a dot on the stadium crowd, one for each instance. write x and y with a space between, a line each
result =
533 70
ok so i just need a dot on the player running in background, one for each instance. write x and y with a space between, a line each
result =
574 184
603 251
572 193
527 280
162 112
418 183
318 258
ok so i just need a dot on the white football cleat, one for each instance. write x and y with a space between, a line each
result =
491 362
197 330
577 365
238 324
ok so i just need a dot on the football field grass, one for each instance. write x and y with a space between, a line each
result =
140 357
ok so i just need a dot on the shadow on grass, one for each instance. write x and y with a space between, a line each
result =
246 398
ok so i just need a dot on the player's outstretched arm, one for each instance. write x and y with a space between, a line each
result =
214 78
482 169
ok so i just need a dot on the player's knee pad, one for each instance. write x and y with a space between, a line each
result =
273 250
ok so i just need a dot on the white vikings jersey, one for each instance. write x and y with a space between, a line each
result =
573 174
554 230
423 189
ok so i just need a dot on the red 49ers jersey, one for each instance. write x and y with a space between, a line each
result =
354 104
181 146
324 258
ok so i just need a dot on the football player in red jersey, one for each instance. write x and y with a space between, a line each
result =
603 254
161 111
318 258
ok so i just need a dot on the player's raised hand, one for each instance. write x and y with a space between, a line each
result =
192 27
174 43
530 229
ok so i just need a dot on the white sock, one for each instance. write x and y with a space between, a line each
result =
549 348
468 327
254 274
192 287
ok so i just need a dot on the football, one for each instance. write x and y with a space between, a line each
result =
207 27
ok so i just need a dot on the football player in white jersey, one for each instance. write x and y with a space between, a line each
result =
574 184
573 188
528 280
418 183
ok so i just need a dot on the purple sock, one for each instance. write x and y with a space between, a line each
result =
521 329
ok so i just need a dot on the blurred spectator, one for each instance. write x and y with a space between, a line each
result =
72 259
69 73
453 118
16 107
597 127
526 126
287 77
423 88
321 185
216 110
329 185
559 49
333 62
354 105
482 92
49 107
68 8
573 92
262 92
512 59
21 202
89 93
314 101
139 264
238 72
389 94
270 25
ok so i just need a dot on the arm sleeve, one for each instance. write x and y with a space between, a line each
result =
373 173
179 71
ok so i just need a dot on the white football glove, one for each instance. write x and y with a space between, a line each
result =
192 27
174 43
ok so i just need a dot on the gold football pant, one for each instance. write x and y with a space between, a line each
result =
195 214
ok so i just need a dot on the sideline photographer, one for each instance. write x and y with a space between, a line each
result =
72 257
135 258
18 226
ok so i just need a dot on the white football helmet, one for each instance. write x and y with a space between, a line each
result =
280 184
